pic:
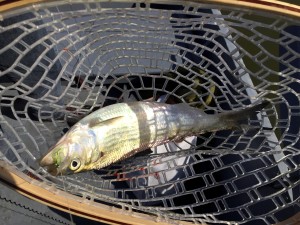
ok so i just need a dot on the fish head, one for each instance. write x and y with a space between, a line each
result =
74 151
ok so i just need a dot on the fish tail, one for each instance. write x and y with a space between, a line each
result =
234 119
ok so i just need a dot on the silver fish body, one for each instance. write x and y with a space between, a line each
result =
119 131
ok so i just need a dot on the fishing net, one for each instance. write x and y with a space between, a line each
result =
60 61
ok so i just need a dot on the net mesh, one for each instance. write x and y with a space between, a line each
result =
60 62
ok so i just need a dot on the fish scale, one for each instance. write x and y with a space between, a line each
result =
116 132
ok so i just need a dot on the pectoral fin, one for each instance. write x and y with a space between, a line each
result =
111 121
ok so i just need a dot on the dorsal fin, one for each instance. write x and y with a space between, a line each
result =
96 121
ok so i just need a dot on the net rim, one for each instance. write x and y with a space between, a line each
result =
29 187
274 6
66 202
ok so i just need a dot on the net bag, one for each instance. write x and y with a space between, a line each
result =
60 61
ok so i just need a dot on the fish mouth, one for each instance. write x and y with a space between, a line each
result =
53 170
57 171
54 160
47 162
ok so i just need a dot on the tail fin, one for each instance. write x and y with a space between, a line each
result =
234 119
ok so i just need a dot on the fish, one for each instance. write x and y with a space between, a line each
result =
116 132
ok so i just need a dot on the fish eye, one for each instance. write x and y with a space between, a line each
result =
75 164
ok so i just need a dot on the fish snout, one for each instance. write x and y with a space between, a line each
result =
47 160
55 160
48 163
